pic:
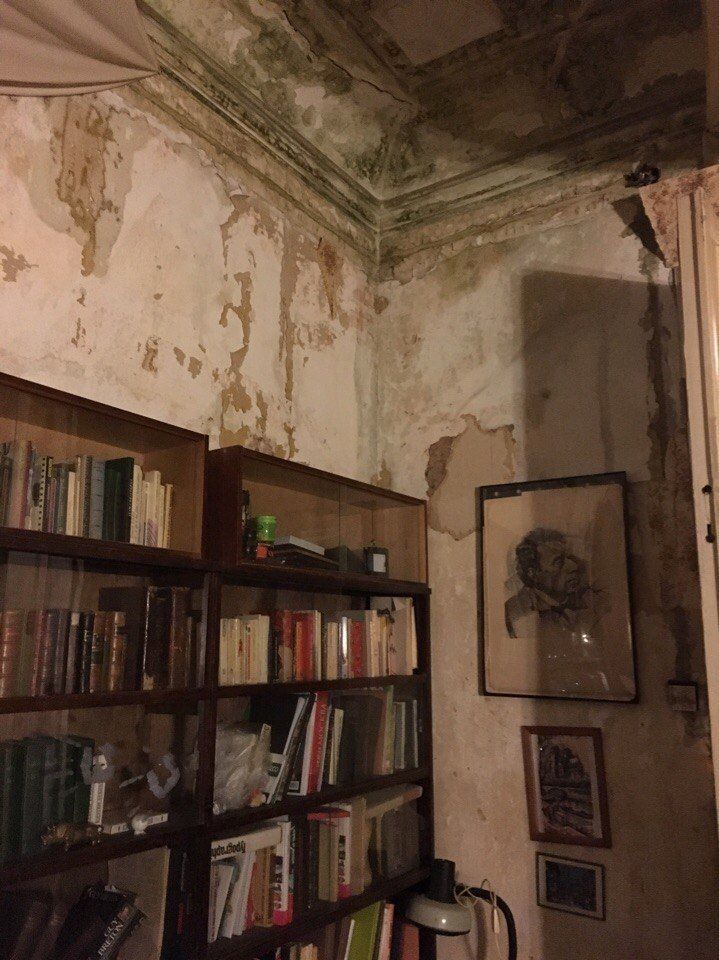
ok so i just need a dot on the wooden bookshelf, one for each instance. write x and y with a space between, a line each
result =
39 569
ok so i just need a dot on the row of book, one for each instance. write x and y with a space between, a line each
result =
45 781
97 925
305 645
270 875
374 933
84 496
60 651
333 739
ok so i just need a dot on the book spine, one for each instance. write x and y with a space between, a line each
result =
18 484
116 650
11 644
118 930
74 641
167 522
318 739
356 634
49 640
97 651
136 532
70 522
97 499
61 647
33 762
178 639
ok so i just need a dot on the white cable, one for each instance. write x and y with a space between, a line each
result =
465 898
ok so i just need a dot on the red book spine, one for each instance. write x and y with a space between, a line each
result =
318 739
284 631
357 664
303 647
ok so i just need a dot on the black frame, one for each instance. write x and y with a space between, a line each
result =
493 491
584 863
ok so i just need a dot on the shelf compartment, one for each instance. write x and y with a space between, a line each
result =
63 426
225 824
260 941
331 511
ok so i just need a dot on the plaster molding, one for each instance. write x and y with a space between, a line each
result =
590 157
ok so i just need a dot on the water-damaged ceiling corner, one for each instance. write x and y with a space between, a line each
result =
414 117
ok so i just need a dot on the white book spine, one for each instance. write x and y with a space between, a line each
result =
97 803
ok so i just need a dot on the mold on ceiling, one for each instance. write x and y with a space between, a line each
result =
407 113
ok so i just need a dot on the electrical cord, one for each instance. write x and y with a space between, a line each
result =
470 896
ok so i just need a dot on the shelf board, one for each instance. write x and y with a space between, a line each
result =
225 824
308 578
263 939
82 701
86 548
302 686
56 860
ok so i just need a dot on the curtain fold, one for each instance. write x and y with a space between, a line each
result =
59 47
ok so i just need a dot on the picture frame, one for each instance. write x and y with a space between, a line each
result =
554 609
566 785
571 886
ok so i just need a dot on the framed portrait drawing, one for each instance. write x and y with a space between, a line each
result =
573 886
566 785
555 615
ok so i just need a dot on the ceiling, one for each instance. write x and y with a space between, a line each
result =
420 117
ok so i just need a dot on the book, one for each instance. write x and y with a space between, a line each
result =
12 627
292 541
23 915
30 794
366 931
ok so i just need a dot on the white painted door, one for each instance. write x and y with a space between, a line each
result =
699 266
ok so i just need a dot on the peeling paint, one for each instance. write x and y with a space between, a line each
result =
150 356
12 263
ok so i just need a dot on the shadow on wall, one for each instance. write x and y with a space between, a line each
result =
598 386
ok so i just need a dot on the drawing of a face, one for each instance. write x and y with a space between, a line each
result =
545 562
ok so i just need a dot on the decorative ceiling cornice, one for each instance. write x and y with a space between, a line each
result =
584 155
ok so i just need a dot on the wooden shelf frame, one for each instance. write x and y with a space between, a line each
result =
193 829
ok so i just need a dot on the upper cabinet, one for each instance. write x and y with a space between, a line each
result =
275 512
69 466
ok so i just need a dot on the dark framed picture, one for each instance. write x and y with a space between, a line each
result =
566 785
554 610
573 886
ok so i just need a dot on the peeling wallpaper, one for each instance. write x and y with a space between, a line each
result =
136 269
141 267
554 355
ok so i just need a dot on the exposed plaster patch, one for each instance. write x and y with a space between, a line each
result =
150 357
330 266
180 356
289 275
12 263
79 339
455 465
194 367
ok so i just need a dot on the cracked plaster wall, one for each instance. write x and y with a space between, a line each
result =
136 268
558 354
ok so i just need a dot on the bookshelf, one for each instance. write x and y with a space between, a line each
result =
207 565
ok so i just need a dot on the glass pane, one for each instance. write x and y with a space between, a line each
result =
69 627
371 521
269 635
306 510
73 777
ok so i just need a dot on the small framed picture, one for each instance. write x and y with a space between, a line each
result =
554 612
573 886
566 785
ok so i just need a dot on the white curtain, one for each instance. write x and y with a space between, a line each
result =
53 47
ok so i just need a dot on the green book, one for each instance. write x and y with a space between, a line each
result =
366 930
10 779
31 794
66 782
80 787
50 782
117 501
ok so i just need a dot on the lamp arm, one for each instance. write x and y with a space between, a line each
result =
492 898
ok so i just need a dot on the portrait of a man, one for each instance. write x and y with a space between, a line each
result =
555 617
